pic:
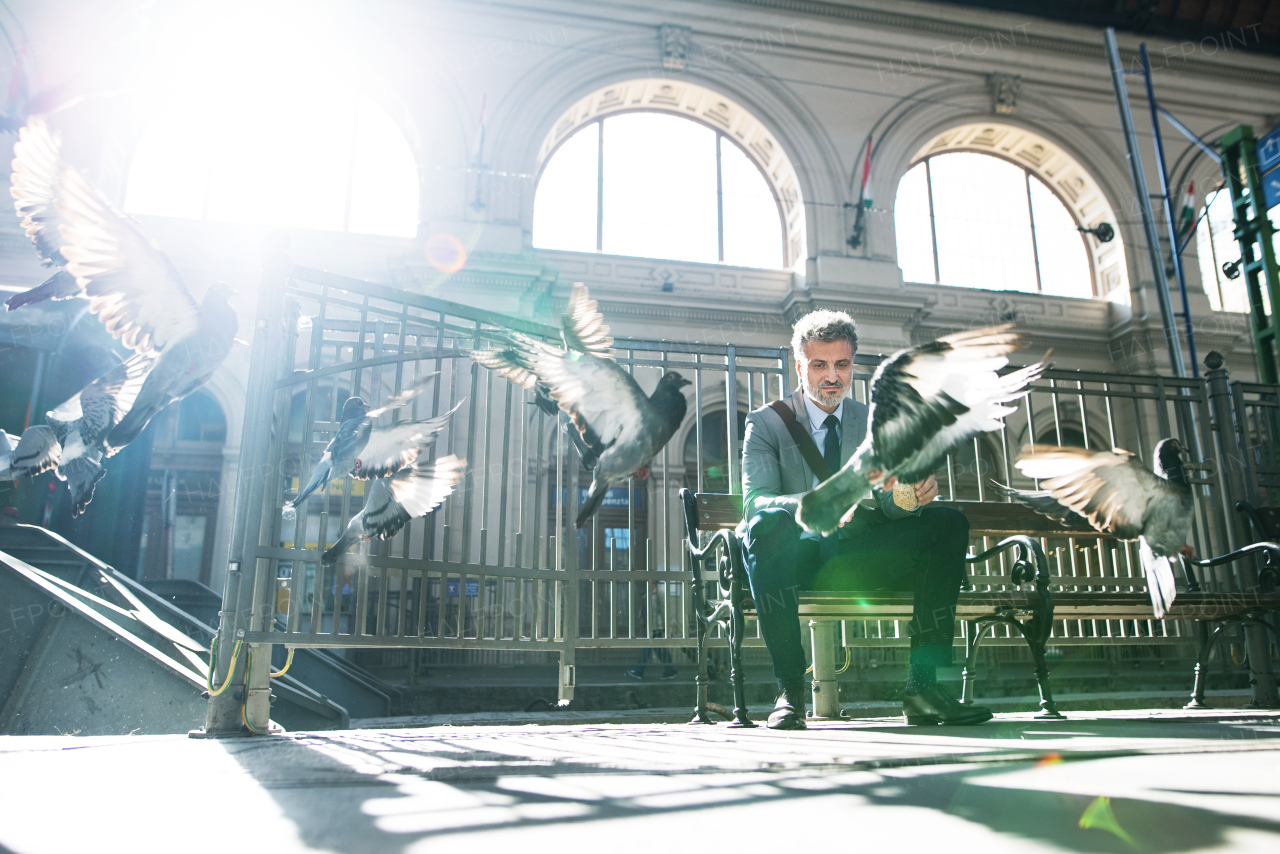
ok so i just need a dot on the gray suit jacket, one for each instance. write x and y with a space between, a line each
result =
774 473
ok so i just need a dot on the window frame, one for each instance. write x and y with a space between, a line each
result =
1027 175
720 136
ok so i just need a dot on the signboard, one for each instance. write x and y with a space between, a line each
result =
1271 188
1269 151
616 497
451 588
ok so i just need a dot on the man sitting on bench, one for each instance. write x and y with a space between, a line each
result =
890 548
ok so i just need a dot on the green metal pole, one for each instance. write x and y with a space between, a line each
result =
1255 234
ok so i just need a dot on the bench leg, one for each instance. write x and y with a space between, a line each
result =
1204 653
826 689
1047 707
737 675
700 715
976 631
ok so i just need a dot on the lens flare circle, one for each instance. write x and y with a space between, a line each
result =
445 252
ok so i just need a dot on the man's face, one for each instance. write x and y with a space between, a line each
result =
826 371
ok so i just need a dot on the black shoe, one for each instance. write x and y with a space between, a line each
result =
634 675
669 674
789 711
938 705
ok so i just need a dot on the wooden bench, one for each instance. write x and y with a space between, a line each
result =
1026 597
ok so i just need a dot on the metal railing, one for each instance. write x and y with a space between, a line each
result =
499 565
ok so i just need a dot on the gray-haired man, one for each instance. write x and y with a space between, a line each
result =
920 550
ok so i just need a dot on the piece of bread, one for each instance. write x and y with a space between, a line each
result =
904 495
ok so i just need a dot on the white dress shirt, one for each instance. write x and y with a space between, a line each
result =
817 428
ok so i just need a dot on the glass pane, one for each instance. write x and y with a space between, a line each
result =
911 222
384 176
188 546
277 167
170 168
1217 229
660 188
983 223
1064 260
564 209
752 224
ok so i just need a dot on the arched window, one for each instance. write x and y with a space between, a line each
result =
657 169
332 161
658 186
996 206
979 221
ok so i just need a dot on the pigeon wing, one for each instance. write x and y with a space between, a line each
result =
37 451
133 288
395 446
506 361
583 327
1110 489
103 402
928 399
420 488
37 165
604 401
1043 503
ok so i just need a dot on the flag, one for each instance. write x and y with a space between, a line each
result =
866 174
1187 217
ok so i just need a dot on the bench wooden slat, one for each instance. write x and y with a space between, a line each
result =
717 510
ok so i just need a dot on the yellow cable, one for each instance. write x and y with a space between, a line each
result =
288 662
248 725
213 662
848 659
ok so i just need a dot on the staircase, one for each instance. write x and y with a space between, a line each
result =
321 690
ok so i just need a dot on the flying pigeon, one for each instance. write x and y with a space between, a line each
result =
83 422
37 451
132 287
391 502
37 167
361 450
924 401
582 330
1112 492
620 425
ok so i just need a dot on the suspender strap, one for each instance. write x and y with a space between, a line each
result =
804 441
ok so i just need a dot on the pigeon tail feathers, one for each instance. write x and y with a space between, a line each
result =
82 475
594 499
319 480
1161 585
61 285
832 503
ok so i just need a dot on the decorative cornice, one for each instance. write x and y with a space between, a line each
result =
958 29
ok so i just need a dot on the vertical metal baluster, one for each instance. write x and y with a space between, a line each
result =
485 474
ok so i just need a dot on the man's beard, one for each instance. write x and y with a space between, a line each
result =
827 397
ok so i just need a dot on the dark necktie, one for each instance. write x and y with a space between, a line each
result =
831 444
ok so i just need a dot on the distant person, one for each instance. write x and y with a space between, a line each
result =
653 604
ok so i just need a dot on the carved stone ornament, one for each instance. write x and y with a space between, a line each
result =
675 46
1004 92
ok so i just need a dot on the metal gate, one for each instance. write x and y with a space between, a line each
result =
500 566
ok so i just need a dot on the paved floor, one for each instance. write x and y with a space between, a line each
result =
1122 781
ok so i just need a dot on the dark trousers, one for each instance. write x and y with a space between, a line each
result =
924 554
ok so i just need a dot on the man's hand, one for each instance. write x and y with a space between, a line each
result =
926 491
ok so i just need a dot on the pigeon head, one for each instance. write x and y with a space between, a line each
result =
673 380
219 293
355 407
1169 461
668 399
